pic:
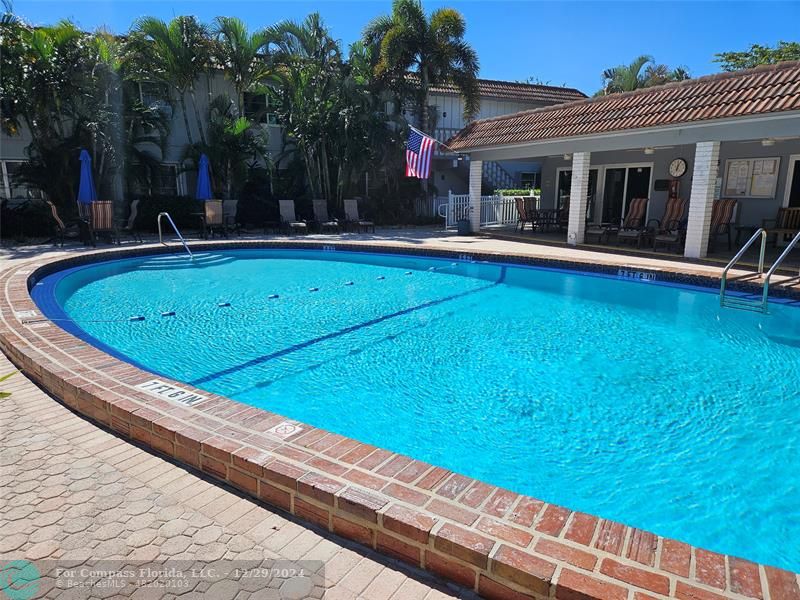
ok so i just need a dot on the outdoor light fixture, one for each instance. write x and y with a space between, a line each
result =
768 142
649 151
568 157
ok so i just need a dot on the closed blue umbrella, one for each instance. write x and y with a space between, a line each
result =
203 180
86 191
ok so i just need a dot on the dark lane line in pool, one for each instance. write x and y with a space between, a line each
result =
328 336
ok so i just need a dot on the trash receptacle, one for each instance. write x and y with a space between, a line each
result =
464 227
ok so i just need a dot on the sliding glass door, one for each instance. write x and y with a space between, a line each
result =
619 186
564 186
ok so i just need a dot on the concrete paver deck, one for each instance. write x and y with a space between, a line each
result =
73 494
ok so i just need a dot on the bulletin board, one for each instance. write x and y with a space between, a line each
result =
751 177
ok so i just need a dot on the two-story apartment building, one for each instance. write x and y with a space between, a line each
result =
497 98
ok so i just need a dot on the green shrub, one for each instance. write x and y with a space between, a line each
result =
525 192
180 208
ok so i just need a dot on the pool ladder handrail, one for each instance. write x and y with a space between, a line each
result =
741 303
175 229
775 266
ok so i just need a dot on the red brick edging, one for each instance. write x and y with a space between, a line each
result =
502 544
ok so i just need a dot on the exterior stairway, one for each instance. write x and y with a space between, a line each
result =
497 176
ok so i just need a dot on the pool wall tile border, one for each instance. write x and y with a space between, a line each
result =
501 544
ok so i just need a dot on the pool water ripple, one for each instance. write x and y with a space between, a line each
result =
642 403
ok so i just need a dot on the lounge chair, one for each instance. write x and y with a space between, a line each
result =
126 226
289 221
786 222
229 212
352 216
102 220
723 215
322 220
673 212
633 222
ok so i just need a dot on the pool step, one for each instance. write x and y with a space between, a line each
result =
742 303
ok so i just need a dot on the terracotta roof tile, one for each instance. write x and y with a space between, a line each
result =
524 92
768 89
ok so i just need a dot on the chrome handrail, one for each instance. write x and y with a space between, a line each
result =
775 266
761 232
178 233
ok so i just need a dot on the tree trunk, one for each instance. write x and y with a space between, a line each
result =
189 136
197 116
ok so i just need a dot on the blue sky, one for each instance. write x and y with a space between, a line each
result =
557 42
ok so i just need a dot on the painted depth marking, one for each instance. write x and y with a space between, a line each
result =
285 429
640 275
160 389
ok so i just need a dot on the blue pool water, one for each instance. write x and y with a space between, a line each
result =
638 402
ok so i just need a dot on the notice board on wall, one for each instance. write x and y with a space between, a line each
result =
752 177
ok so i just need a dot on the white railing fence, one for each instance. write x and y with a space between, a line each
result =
495 210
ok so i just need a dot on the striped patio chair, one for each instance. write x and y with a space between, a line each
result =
213 218
58 224
723 215
101 219
522 213
670 221
127 226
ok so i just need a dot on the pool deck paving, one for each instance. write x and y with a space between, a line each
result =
73 494
490 540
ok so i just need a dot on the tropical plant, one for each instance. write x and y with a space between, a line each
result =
432 50
234 145
244 56
758 55
4 395
642 72
175 54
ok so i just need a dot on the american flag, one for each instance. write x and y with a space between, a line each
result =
418 154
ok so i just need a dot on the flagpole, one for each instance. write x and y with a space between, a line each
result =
434 139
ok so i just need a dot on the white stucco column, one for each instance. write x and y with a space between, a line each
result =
578 198
701 200
475 183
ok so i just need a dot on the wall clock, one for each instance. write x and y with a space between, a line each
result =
677 167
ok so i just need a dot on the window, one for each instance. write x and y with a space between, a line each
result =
256 108
153 94
164 180
529 181
12 187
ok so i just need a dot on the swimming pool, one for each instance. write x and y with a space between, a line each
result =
638 402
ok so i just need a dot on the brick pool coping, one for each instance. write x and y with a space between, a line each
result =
502 544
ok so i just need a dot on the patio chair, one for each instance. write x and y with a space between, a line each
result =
213 218
61 229
523 215
127 226
786 222
723 215
673 211
289 221
322 220
229 213
352 217
634 221
102 220
671 235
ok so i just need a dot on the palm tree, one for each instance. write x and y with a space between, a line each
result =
642 72
434 50
175 54
242 54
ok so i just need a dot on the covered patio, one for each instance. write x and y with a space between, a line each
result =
691 145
